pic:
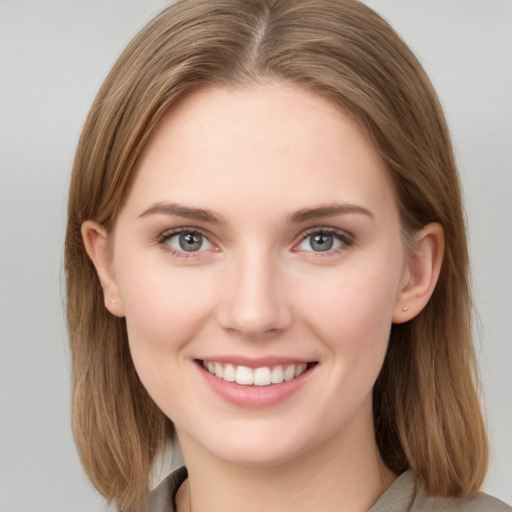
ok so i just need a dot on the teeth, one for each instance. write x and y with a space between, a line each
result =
229 373
264 376
301 368
244 376
289 373
277 375
219 371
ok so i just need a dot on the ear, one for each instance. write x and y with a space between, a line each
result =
421 273
96 241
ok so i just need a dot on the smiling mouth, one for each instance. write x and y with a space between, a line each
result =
262 376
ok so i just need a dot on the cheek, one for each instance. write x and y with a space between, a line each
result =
155 296
351 311
164 311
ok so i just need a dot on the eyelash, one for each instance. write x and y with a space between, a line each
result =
167 235
342 236
345 238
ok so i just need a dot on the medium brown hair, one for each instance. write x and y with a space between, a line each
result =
426 408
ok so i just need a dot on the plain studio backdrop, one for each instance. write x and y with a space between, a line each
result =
54 54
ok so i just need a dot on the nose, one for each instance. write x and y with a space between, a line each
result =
255 302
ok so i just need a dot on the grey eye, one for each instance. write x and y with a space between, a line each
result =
189 242
321 241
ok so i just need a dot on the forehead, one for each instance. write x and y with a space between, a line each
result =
259 145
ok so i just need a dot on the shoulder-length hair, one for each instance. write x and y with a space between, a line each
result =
426 409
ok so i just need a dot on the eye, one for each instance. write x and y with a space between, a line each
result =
324 241
186 241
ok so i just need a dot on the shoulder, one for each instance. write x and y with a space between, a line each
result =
407 494
163 497
480 503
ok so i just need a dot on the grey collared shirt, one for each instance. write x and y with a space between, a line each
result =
407 494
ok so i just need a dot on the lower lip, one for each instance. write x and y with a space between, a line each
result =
254 396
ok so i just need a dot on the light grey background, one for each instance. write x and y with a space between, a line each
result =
53 57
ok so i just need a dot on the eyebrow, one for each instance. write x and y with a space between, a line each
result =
187 212
163 208
328 210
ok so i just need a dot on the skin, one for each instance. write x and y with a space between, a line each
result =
256 157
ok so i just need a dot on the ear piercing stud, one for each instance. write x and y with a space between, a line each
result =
113 301
405 308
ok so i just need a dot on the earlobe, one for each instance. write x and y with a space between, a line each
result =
96 242
422 271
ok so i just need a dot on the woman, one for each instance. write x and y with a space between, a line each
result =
266 255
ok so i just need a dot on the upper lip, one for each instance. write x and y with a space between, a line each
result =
255 362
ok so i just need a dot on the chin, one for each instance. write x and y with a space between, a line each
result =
255 449
260 457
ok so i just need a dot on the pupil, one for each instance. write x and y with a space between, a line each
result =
322 242
191 241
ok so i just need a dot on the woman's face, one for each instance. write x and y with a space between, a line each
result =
260 240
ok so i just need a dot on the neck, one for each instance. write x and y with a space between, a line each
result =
344 474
